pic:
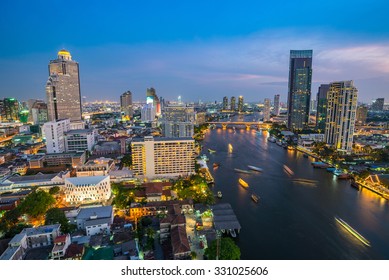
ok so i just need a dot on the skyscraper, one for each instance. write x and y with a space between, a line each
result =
148 113
361 114
63 88
178 120
266 111
378 104
10 110
233 103
321 111
54 132
341 113
151 97
225 103
126 105
276 109
39 112
299 88
240 104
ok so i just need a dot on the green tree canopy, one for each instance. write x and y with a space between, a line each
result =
37 203
57 216
54 190
127 160
228 250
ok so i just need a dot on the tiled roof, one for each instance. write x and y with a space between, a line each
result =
180 243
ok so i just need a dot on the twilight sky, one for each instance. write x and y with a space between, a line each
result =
197 49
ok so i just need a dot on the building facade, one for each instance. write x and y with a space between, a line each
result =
126 105
163 157
148 113
54 131
10 110
276 106
321 110
341 114
63 88
80 140
299 88
233 103
361 115
178 121
240 104
152 98
39 112
79 190
266 110
378 105
225 103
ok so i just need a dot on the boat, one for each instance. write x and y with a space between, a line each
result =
255 168
279 143
230 149
351 230
290 148
211 151
255 198
271 139
232 232
243 183
331 169
288 170
344 176
242 171
219 194
355 185
216 165
320 164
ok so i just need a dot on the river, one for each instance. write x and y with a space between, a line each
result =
293 220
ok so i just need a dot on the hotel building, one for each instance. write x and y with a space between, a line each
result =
163 157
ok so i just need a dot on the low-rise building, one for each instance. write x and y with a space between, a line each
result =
61 245
97 167
79 190
80 140
38 180
73 159
180 243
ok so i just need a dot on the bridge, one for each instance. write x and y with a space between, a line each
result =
248 125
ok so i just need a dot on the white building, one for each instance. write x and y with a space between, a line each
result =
148 113
30 238
54 132
266 110
341 114
163 157
94 220
97 167
80 140
80 190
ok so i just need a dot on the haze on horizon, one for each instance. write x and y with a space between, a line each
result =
199 50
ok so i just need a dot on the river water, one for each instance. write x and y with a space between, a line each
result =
293 220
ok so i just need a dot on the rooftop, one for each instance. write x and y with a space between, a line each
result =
79 131
224 217
95 222
100 212
87 180
41 230
166 139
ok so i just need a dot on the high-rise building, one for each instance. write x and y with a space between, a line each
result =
378 104
233 103
39 112
299 88
266 110
341 113
80 140
161 157
151 97
178 120
1 110
321 109
240 104
63 88
313 106
11 110
225 103
361 114
148 113
126 105
54 131
276 109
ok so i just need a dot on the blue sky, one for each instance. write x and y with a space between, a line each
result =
197 49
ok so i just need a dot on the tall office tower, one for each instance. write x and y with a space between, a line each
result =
233 103
341 113
126 105
1 110
299 88
313 106
157 157
39 112
276 109
54 132
178 120
321 109
240 104
11 110
30 103
266 110
378 104
225 103
63 88
148 113
361 114
151 97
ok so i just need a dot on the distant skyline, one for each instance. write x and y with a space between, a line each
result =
194 49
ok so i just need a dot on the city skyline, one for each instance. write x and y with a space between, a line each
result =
205 60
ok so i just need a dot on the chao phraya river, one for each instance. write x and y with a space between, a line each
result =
295 218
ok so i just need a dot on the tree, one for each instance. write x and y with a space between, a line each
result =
54 190
57 216
37 203
228 250
127 160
